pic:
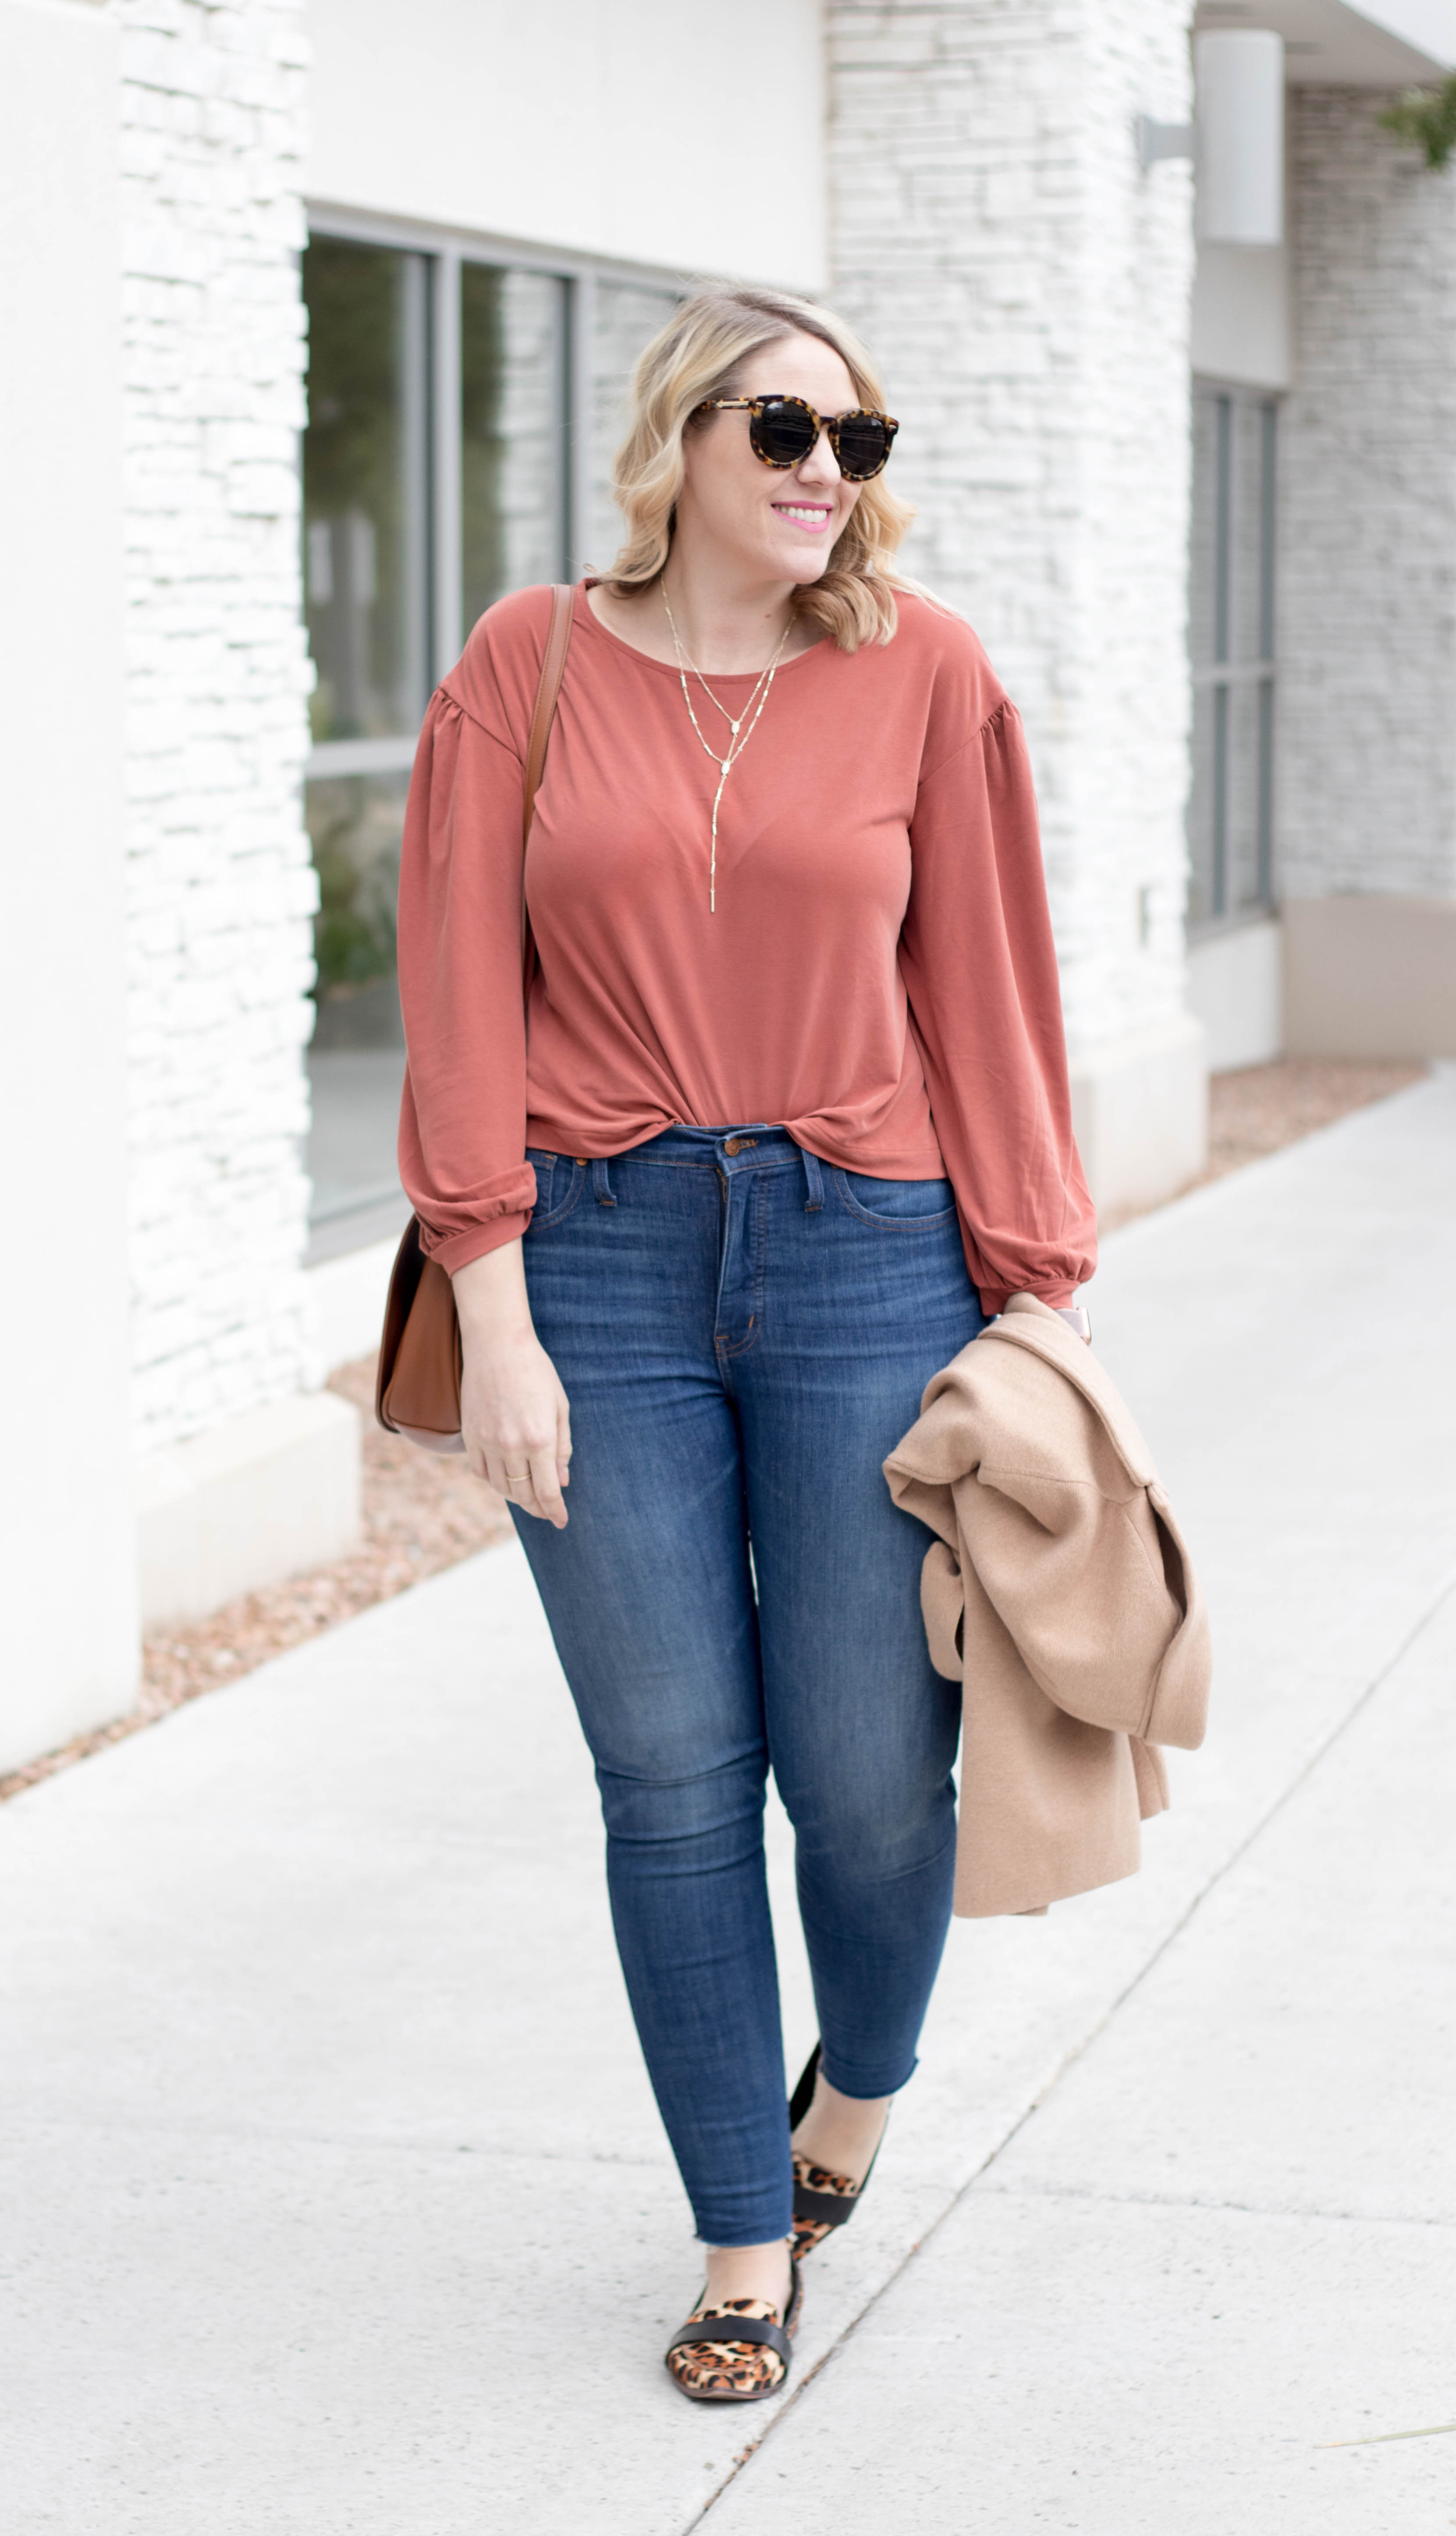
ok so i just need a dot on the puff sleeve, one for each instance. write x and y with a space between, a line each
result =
462 1146
980 970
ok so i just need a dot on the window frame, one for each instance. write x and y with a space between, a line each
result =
446 250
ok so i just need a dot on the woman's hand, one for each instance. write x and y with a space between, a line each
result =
514 1413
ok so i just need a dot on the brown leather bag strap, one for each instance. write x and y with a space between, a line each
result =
553 662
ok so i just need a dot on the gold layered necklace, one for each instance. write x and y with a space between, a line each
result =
740 732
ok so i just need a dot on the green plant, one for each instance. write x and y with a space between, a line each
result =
354 932
1426 118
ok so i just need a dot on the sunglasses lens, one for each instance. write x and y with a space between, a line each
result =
864 446
784 433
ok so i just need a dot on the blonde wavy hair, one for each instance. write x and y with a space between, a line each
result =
700 353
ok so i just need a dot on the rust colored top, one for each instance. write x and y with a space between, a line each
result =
879 977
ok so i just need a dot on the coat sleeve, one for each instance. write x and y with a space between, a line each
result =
463 1118
980 970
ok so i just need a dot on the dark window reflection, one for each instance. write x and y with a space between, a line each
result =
357 1062
365 489
356 823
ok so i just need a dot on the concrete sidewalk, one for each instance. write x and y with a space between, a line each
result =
325 2139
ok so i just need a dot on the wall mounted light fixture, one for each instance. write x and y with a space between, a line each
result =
1235 140
1238 94
1157 140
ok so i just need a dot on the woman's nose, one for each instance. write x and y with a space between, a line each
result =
821 466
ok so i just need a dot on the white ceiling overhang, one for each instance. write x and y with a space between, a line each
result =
1390 43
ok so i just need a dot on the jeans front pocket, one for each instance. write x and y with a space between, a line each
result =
895 1206
558 1183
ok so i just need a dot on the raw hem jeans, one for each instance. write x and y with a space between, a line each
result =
744 1333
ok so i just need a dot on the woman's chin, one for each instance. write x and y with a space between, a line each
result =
801 561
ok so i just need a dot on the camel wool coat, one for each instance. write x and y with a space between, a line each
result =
1058 1591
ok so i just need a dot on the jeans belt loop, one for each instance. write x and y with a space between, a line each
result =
601 1184
815 1179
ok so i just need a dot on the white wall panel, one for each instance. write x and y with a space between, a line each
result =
1241 328
644 130
1236 987
67 1587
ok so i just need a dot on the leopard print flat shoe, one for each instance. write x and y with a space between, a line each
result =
822 2200
744 2371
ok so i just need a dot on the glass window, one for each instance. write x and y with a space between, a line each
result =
365 489
367 562
355 823
436 477
355 1063
1230 808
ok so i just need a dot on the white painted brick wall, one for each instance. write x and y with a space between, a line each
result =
221 887
1367 623
1027 289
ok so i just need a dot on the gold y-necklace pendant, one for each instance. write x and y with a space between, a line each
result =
735 747
716 701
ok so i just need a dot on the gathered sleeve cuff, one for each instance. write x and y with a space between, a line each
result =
980 970
462 1148
457 1249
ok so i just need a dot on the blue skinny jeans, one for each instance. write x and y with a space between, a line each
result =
743 1333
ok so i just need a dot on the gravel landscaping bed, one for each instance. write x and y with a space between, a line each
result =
1269 1106
423 1513
1265 1107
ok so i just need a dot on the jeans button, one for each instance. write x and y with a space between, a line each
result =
732 1147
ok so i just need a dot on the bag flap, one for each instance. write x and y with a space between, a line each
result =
419 1394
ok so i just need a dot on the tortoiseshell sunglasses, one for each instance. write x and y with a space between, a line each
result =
782 431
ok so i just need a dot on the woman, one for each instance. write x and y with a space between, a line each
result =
785 1118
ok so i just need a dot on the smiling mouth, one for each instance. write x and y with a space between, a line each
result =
813 516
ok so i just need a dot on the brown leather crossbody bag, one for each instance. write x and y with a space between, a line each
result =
418 1391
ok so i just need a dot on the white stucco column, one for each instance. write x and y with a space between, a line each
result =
67 1579
1027 289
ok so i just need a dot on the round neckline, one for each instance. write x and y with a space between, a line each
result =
669 669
